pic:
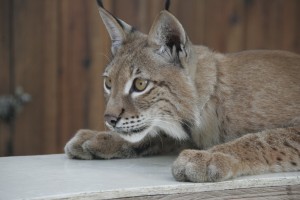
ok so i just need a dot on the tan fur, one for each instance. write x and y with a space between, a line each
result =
241 109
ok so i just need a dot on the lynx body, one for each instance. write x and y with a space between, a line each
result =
234 114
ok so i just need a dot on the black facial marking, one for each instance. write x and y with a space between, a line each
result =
167 101
165 85
186 126
133 131
149 92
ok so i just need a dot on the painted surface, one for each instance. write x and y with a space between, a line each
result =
56 176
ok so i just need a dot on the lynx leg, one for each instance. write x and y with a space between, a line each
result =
87 144
275 150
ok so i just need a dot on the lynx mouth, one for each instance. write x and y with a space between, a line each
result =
133 131
134 135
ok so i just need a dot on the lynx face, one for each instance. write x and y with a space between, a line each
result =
146 88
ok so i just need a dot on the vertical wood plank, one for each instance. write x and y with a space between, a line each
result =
290 26
5 38
128 12
35 70
235 40
191 15
154 9
297 42
5 72
74 66
255 23
50 66
28 74
273 14
216 19
224 25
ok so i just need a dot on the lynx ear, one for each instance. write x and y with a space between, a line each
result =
117 29
169 35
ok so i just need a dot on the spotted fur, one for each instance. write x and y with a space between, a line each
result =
234 114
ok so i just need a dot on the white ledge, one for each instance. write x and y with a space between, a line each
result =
57 177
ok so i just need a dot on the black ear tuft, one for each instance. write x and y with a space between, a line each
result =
169 37
117 29
167 4
174 41
100 3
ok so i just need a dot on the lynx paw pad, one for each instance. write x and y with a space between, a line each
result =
203 166
88 144
76 148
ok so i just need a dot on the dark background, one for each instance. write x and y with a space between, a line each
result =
56 51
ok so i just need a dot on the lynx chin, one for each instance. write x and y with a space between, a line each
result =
227 114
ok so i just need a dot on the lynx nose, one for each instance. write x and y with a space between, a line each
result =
111 120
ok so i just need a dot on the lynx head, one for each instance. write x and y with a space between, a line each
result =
147 84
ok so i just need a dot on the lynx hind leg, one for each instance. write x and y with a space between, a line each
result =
276 150
88 144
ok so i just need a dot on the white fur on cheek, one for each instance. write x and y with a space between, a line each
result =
136 137
173 129
128 86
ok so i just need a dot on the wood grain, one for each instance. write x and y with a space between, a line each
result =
50 83
280 192
255 24
290 25
217 24
74 66
28 70
57 50
5 72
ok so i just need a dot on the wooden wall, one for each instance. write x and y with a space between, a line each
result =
56 50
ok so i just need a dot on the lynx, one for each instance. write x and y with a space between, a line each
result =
228 114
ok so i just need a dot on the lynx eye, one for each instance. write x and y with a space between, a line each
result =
139 84
107 82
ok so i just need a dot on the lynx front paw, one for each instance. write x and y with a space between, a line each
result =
87 144
203 166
